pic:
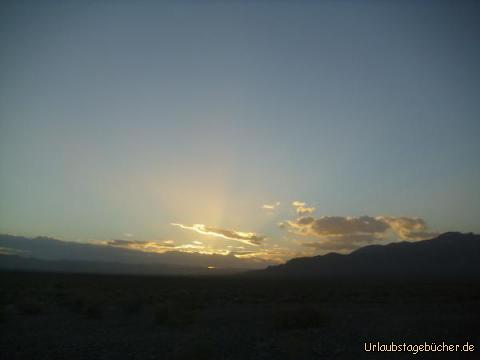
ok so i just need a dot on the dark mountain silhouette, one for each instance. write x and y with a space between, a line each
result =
451 255
19 263
62 252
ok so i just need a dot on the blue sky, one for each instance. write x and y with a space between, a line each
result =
118 119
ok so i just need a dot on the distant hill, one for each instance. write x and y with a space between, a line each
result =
451 255
47 254
19 263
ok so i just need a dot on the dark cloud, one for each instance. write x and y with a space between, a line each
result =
342 242
116 242
305 220
337 225
348 233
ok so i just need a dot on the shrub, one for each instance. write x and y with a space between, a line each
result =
76 304
302 317
93 310
198 349
31 307
87 306
174 314
132 305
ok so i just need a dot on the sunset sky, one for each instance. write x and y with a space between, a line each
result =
263 129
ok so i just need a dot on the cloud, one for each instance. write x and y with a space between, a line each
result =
249 238
348 233
165 246
275 255
271 207
116 242
148 246
408 228
342 242
298 203
301 208
337 225
263 255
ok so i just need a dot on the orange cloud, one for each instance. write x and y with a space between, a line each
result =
165 246
249 238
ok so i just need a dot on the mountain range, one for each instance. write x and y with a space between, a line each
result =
451 255
48 254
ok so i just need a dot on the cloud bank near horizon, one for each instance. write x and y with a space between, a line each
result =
346 233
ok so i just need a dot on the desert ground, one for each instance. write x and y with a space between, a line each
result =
84 316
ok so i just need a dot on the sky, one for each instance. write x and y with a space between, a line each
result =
259 129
